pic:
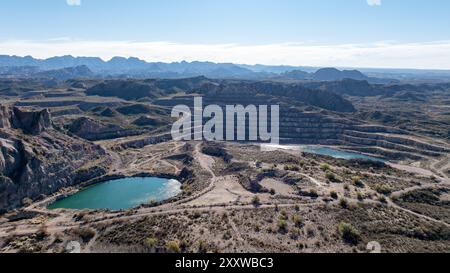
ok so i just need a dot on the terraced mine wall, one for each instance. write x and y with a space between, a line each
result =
329 128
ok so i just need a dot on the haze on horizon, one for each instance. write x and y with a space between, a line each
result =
351 33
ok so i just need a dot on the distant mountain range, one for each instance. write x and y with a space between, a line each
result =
66 67
333 74
119 66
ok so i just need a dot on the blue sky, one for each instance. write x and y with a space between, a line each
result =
361 32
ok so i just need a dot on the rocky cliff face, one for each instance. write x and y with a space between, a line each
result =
31 122
4 117
37 160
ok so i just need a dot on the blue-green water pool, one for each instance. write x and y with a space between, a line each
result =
120 194
323 150
337 153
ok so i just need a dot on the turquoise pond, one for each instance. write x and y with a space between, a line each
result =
337 153
327 151
120 194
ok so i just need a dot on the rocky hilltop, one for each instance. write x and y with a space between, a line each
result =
36 159
154 89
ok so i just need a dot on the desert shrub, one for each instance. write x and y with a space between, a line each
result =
331 176
360 196
197 215
383 189
292 168
284 215
295 233
313 193
357 182
302 246
334 195
298 221
86 234
202 247
349 233
310 232
150 242
343 203
282 226
256 201
257 227
173 247
272 192
325 167
42 233
187 189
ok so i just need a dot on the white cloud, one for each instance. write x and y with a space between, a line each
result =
374 2
73 2
431 55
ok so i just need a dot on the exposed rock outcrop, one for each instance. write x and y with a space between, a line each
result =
5 116
43 162
31 122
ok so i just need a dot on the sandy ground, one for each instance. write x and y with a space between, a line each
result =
280 187
226 190
412 169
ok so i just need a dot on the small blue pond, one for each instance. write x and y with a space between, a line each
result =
120 194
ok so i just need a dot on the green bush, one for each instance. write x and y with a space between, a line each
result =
256 201
357 182
298 221
383 189
325 167
284 215
42 233
334 195
343 203
330 176
360 196
295 233
292 168
150 242
382 199
349 233
313 193
282 226
86 234
173 247
202 247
